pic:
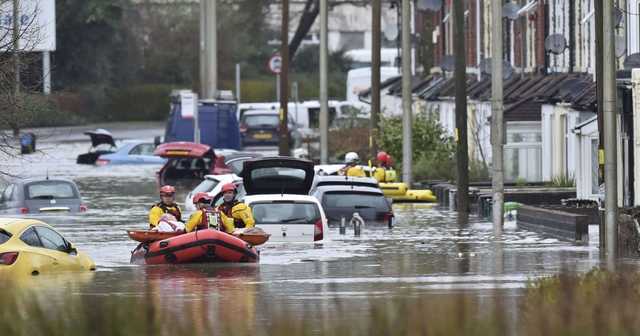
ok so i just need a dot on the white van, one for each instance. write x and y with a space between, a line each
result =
297 111
359 80
361 58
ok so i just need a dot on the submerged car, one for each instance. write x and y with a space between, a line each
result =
29 246
101 143
190 162
262 128
33 196
132 152
342 201
277 190
212 184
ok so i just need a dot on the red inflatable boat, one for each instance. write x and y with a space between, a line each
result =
199 246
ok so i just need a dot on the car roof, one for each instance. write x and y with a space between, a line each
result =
34 179
279 197
338 178
347 189
15 225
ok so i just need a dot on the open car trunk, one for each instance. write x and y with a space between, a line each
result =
187 161
277 175
99 137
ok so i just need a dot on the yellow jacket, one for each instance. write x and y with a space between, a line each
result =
355 171
197 219
160 209
241 217
384 175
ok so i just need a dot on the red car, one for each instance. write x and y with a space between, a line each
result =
189 162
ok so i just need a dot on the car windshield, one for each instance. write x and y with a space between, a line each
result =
206 186
285 213
50 190
261 119
355 200
4 236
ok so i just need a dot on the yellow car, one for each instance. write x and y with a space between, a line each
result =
29 246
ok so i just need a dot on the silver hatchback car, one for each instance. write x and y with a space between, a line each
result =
36 196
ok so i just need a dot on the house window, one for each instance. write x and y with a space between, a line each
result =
523 153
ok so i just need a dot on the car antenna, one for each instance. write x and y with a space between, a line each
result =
47 174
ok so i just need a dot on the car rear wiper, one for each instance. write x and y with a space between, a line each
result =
364 207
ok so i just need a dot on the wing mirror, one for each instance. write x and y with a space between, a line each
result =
71 249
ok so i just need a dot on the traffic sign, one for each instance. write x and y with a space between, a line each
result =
275 64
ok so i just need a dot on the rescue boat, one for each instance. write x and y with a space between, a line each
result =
399 192
202 246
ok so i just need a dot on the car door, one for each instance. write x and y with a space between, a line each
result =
59 248
6 199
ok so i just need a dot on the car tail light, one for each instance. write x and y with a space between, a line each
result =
102 162
8 258
83 208
390 219
24 210
318 230
243 128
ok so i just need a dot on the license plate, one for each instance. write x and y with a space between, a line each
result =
263 136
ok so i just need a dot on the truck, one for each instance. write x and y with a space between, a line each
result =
217 120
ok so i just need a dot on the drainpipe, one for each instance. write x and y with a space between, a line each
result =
572 38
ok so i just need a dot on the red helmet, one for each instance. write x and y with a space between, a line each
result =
202 196
167 190
229 187
383 157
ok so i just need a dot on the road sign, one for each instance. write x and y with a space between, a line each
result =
275 64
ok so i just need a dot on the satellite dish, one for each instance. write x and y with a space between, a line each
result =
507 69
621 46
448 63
391 32
618 16
433 5
555 44
632 61
510 10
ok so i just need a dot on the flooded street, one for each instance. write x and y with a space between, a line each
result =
427 253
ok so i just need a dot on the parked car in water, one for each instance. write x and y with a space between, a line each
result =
212 184
101 143
277 190
262 128
340 201
33 196
190 162
32 247
132 152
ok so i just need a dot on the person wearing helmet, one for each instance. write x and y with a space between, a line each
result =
384 172
167 204
233 213
351 167
205 216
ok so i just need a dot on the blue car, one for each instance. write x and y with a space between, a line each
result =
132 152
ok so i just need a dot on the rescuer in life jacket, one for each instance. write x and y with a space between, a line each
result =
351 167
233 213
167 204
384 173
205 216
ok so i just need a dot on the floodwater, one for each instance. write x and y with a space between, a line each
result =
427 253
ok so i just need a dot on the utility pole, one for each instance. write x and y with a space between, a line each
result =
376 13
599 92
407 118
610 132
203 54
462 151
238 93
324 91
283 147
497 109
211 46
